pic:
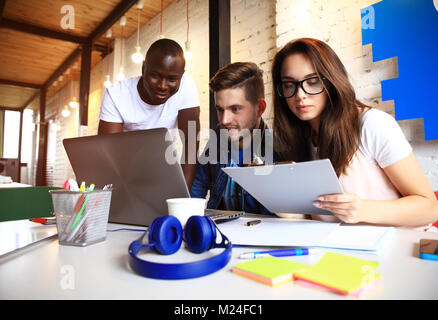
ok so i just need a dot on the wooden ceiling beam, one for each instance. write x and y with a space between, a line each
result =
20 84
2 6
40 31
103 50
63 67
9 108
111 19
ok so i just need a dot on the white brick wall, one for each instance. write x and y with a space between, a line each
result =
253 37
56 155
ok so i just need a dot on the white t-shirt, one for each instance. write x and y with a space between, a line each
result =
382 140
382 144
122 103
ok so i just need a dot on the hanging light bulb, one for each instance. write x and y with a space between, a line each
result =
57 126
66 112
74 101
52 126
121 75
58 107
137 57
188 53
107 82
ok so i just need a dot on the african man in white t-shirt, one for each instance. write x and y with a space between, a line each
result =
163 96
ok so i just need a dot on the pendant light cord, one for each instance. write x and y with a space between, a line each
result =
107 56
138 27
121 50
161 19
188 25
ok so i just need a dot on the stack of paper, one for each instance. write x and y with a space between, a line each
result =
269 270
340 273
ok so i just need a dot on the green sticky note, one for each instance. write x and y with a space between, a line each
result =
341 273
269 270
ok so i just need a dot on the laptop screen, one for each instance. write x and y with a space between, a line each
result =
135 164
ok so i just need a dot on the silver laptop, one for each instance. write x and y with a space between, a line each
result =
134 163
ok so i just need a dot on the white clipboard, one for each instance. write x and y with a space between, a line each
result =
288 188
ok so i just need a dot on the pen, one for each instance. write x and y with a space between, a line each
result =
91 188
279 253
253 222
46 221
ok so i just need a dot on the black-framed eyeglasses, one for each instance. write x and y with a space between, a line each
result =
312 86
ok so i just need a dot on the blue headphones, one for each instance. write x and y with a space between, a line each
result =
166 236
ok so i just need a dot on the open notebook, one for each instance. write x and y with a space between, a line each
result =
306 233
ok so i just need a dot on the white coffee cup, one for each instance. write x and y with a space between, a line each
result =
184 208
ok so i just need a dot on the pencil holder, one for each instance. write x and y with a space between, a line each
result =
81 217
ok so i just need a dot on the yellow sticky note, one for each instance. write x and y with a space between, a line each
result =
269 270
341 273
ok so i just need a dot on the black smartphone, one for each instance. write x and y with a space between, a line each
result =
428 249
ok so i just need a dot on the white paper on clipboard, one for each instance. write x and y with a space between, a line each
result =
288 188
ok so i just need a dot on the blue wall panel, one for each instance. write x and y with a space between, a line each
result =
408 30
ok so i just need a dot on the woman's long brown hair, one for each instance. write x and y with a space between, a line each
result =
339 129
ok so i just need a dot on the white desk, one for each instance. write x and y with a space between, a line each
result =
100 271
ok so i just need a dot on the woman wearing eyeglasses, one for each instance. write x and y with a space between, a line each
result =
317 116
